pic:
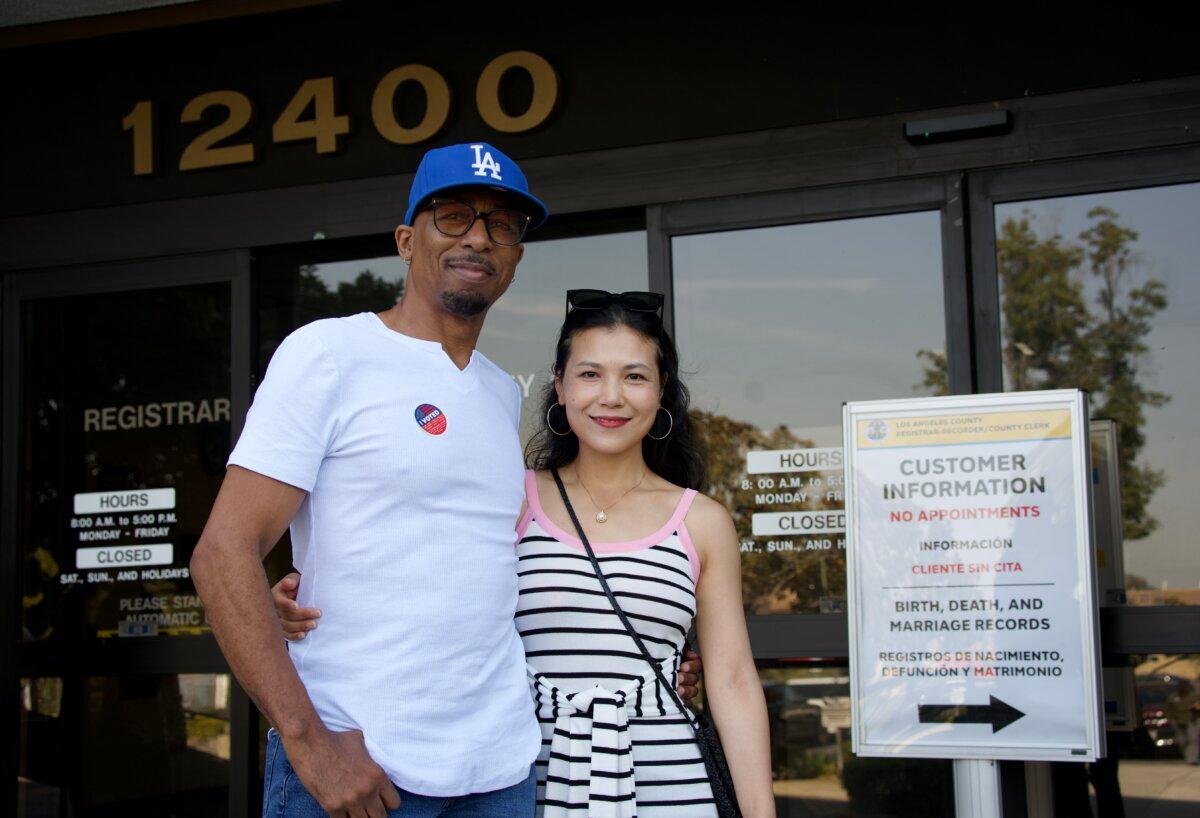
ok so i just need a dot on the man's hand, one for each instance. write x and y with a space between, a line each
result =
338 772
296 621
689 675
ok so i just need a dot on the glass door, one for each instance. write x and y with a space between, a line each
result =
120 401
784 306
1086 276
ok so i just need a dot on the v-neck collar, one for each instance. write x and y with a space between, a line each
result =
464 377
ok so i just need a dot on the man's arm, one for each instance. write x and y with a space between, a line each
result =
248 518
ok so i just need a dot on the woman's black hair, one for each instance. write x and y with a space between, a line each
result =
678 457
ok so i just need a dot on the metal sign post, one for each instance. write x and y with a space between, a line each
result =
972 584
977 789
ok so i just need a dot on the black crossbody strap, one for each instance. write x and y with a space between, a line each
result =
662 680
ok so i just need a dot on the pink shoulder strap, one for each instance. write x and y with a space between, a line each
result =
531 501
685 537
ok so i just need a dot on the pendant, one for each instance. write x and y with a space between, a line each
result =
601 517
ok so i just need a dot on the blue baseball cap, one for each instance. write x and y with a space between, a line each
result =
471 164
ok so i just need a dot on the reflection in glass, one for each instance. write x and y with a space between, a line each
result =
1168 695
814 770
125 745
1101 292
1153 769
777 327
125 424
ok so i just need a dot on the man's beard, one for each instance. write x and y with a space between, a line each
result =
464 304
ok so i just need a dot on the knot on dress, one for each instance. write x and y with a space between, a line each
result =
590 748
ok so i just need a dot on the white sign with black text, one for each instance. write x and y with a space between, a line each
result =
971 578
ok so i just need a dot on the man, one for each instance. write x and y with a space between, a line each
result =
390 447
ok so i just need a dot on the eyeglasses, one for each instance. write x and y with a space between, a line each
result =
454 218
637 301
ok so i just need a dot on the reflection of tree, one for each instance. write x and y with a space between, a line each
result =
1053 340
1118 341
772 582
1044 311
937 373
367 293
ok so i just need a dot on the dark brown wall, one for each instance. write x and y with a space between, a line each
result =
657 78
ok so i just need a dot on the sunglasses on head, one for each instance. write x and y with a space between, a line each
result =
634 300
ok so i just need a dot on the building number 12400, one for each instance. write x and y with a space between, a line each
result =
317 99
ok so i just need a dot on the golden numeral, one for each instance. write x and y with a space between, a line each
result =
141 121
437 104
545 92
324 127
201 153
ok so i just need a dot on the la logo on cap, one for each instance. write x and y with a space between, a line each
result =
484 163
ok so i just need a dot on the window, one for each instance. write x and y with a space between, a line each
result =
125 426
776 327
1101 292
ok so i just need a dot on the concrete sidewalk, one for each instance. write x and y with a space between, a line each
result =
1160 789
1150 789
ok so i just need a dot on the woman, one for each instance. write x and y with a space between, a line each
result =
617 431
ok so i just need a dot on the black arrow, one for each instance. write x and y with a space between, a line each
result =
996 713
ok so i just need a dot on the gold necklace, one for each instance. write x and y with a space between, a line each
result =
602 514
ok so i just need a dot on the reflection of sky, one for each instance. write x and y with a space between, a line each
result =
521 328
780 325
1168 248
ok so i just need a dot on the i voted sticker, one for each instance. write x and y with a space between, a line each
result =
430 418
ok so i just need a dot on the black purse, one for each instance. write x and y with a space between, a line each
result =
707 738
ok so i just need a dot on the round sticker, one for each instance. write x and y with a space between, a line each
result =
430 418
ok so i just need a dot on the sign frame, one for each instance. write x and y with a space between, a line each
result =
1073 400
1118 682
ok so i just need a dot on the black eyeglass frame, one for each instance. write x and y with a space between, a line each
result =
477 215
628 299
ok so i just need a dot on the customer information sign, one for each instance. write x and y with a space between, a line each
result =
971 578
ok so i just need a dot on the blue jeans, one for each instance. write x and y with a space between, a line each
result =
285 797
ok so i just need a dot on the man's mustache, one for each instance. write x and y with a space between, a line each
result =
482 261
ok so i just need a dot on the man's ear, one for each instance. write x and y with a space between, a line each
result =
404 241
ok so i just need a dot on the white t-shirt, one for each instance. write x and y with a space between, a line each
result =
405 543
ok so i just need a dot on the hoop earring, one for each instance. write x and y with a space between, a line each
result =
550 425
670 426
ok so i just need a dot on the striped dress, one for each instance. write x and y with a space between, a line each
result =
613 743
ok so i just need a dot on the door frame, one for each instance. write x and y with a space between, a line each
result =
91 657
